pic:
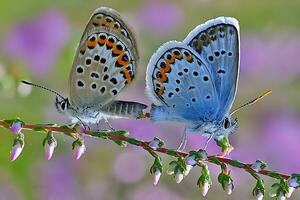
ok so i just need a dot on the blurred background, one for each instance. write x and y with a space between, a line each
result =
37 43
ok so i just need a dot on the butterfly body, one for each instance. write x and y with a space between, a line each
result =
195 81
105 63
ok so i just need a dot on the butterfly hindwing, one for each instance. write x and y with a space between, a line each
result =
105 60
217 44
180 82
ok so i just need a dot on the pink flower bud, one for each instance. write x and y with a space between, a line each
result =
204 188
259 196
154 144
156 177
229 188
290 192
49 149
281 196
79 150
16 127
178 177
188 169
16 151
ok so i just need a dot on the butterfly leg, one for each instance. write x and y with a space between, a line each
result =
207 141
183 141
109 125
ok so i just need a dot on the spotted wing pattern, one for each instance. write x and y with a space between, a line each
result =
180 82
105 60
217 43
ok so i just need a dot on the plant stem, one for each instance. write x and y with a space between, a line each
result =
214 159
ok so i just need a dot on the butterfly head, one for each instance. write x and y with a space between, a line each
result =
62 105
228 126
218 129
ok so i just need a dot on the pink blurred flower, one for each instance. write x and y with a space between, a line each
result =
152 192
38 42
58 180
273 56
160 18
130 167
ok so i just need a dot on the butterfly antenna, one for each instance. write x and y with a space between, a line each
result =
266 93
44 88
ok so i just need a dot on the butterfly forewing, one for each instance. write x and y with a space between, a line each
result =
105 60
178 79
217 43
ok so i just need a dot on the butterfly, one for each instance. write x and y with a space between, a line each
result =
105 63
195 81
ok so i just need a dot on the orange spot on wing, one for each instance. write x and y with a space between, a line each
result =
172 59
189 58
161 91
179 56
117 51
101 41
163 77
121 61
167 69
91 44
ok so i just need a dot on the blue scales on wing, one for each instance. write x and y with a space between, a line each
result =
180 85
217 44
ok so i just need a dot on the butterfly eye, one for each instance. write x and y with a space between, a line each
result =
226 123
63 105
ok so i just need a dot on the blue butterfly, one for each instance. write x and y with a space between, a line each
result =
195 81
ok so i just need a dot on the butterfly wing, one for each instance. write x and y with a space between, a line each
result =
105 60
217 44
180 84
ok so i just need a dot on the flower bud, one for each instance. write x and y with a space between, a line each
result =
204 188
50 144
290 192
225 180
187 170
204 182
79 148
171 170
17 147
258 165
156 143
259 196
281 196
294 181
16 126
274 190
191 160
259 190
156 170
156 177
178 177
229 188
